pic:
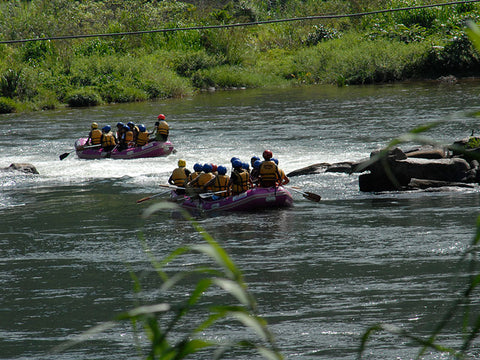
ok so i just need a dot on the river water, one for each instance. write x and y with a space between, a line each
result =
322 273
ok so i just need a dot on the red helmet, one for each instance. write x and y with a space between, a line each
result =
267 154
214 167
161 117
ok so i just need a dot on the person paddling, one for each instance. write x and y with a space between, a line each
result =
203 179
179 176
268 173
220 183
94 136
143 135
162 129
108 139
284 180
240 178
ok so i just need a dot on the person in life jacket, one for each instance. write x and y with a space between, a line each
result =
134 129
255 171
143 136
94 136
253 159
197 169
268 174
240 178
220 183
203 179
126 140
120 135
179 176
284 180
108 139
161 129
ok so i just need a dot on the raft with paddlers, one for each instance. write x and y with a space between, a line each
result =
151 149
257 198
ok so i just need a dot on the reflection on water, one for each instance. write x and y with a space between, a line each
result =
322 272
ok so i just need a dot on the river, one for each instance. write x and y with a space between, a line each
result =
322 273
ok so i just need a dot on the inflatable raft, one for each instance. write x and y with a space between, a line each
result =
152 149
250 200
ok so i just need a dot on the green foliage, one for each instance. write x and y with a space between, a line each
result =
226 77
456 56
83 97
187 63
473 143
9 81
37 51
120 93
321 33
159 65
7 105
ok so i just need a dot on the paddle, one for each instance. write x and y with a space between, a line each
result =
210 194
152 196
202 195
171 186
64 155
306 194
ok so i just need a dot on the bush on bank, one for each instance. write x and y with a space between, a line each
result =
386 47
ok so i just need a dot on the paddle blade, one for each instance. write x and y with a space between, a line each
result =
64 155
312 196
144 199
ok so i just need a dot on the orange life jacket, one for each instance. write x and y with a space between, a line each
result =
205 178
268 173
240 181
108 140
142 138
128 136
221 183
162 128
96 137
179 176
193 175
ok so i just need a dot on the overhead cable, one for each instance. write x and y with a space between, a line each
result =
303 18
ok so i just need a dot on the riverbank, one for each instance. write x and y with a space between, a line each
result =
417 44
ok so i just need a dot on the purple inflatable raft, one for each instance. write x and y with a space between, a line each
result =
250 200
152 149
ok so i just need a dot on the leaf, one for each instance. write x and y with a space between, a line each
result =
236 290
473 33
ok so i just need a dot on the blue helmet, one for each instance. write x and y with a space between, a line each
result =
257 164
107 128
120 124
142 128
197 167
253 159
245 165
131 124
125 127
207 168
237 163
233 159
222 170
274 160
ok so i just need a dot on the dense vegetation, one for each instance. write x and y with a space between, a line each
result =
422 43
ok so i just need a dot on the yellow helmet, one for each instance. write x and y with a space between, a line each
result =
94 125
182 163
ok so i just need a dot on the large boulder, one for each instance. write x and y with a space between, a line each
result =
394 171
22 167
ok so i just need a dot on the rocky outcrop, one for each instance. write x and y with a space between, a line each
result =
341 167
419 168
22 167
